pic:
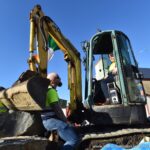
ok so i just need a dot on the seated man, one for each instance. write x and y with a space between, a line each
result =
112 71
54 119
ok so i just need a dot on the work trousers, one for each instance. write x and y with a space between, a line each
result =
65 131
104 87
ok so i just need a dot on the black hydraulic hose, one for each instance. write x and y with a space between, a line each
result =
43 32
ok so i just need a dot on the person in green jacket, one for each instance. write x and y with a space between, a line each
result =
53 117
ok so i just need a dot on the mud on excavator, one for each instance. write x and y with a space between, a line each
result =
123 121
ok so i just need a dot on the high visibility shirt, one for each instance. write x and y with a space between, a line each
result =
51 97
111 67
2 108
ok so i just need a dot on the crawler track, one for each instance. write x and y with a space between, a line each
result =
124 136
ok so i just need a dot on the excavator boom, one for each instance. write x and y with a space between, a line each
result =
41 29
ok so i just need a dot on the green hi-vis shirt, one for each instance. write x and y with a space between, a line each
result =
111 67
51 96
2 108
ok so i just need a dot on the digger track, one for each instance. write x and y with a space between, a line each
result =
127 137
115 134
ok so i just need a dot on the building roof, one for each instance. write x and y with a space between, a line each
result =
146 72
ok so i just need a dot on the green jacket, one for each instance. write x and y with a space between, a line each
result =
2 108
51 96
111 67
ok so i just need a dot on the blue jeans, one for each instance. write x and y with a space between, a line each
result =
66 132
104 87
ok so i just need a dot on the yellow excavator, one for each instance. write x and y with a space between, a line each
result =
124 118
42 32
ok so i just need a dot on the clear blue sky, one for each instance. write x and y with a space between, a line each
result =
78 21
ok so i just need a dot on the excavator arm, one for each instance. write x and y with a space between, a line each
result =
29 91
38 54
41 27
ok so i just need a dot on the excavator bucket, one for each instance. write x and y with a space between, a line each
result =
27 94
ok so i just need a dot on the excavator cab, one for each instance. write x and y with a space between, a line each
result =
126 92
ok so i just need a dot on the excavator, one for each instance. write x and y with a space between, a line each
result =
122 121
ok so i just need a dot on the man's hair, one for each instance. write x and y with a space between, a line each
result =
111 55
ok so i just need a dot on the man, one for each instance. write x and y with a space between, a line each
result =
54 118
112 71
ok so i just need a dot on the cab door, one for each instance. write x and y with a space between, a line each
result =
131 75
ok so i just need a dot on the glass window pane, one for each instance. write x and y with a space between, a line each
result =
130 69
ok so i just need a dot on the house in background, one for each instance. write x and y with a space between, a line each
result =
146 84
146 79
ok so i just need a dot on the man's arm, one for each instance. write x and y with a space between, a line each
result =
58 111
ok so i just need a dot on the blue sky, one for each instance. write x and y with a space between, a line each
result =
78 21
